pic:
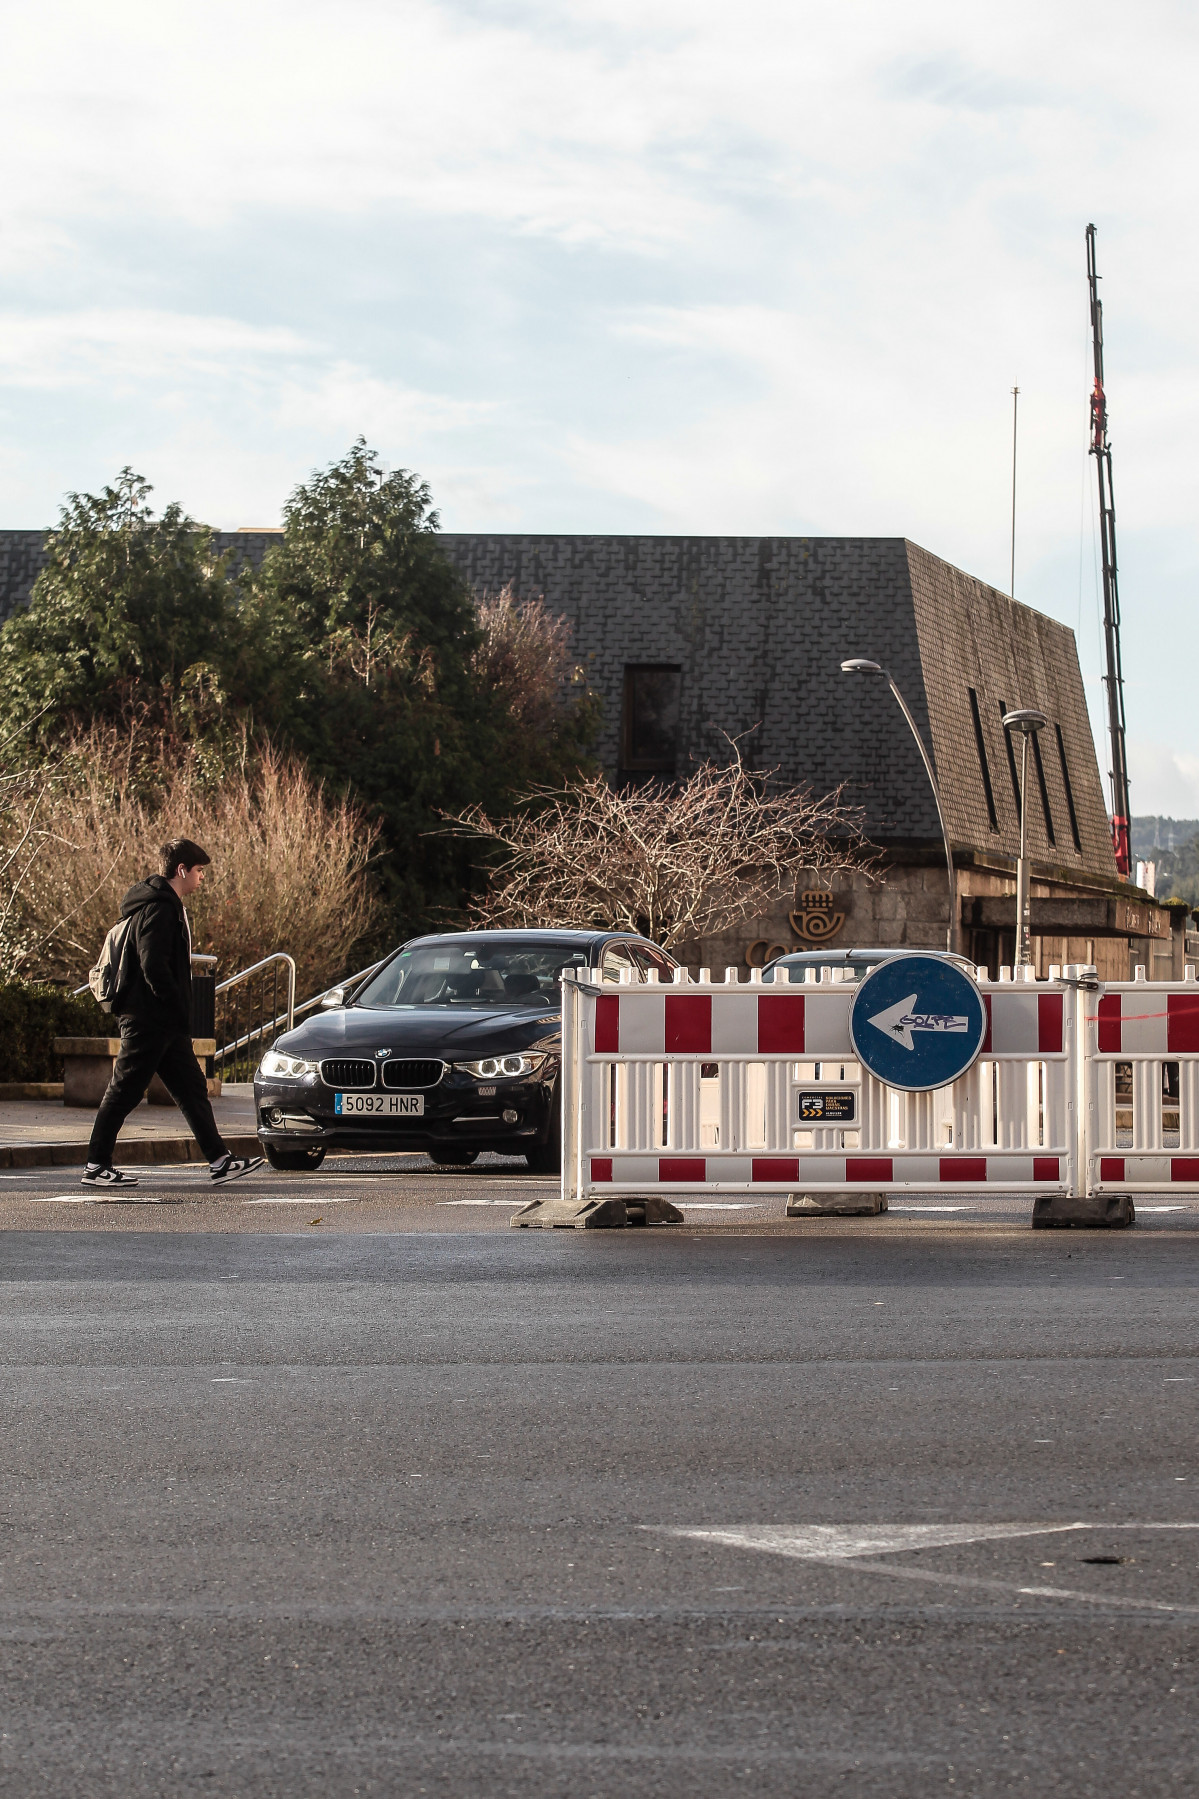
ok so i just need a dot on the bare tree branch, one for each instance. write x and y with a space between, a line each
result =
672 862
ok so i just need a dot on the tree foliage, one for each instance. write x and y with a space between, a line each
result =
522 662
365 653
357 650
130 612
1178 872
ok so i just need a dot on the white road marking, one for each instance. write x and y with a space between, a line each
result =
843 1545
310 1199
92 1199
1162 1208
894 1208
836 1542
480 1202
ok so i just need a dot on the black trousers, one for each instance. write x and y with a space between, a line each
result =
147 1049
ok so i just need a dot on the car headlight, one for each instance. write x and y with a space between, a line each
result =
275 1065
501 1067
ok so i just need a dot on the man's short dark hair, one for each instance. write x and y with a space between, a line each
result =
182 853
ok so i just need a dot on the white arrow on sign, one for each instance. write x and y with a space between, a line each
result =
899 1021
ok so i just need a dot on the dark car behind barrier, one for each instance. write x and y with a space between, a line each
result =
452 1047
855 963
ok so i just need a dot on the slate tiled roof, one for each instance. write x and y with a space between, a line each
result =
760 626
21 559
972 636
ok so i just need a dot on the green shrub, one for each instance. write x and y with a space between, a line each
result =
31 1017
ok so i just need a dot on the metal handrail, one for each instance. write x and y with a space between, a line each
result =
285 1018
279 955
293 1011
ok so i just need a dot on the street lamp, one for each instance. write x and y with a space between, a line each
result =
1028 722
859 665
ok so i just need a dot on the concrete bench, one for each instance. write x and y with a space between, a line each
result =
87 1069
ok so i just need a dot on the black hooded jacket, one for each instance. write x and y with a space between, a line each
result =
158 986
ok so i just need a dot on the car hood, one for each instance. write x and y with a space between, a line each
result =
452 1032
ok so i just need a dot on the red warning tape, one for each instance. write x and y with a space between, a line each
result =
1124 1018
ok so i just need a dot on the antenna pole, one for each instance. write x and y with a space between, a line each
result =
1113 680
1015 404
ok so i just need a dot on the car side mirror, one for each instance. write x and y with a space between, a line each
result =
335 997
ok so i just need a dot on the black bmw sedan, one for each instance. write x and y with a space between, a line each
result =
451 1047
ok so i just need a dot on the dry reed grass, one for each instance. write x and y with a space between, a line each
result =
523 654
291 868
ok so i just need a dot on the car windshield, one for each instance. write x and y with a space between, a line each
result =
504 975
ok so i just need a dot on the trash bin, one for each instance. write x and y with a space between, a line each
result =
203 1018
203 1030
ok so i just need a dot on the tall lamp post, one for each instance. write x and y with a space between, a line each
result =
1028 722
859 665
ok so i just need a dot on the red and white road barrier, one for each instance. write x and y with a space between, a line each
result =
723 1087
1140 1076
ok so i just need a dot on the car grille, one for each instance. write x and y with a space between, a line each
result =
348 1074
412 1074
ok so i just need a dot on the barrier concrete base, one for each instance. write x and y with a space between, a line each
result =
835 1205
595 1214
1096 1211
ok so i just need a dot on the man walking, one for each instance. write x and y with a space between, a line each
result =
154 1006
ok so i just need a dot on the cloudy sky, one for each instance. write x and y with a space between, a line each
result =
671 265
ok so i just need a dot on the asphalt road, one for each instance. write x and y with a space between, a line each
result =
407 1502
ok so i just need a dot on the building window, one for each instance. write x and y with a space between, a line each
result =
1061 756
1040 767
1011 759
650 726
983 764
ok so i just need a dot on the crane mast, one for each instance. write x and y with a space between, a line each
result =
1113 680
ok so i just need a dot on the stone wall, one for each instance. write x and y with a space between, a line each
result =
905 907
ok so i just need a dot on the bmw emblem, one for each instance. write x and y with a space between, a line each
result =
380 1053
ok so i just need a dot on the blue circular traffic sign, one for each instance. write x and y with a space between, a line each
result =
917 1022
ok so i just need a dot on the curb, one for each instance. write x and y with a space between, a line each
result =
133 1149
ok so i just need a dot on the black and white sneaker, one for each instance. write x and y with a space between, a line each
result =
107 1177
234 1168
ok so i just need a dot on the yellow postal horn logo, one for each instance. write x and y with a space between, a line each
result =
816 921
